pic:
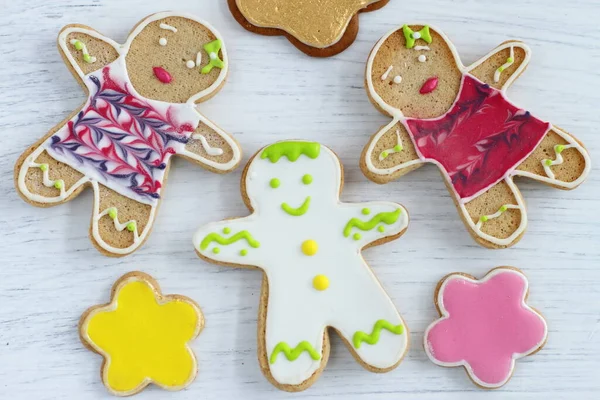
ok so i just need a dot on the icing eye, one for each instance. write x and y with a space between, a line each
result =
397 79
275 183
162 41
190 64
307 179
422 58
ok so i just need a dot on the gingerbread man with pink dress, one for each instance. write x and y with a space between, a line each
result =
459 118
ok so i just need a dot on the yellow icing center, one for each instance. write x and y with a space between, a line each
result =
321 282
310 247
144 339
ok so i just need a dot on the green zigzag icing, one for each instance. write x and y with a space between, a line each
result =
291 150
215 237
385 217
293 354
373 338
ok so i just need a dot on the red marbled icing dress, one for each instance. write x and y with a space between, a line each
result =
480 141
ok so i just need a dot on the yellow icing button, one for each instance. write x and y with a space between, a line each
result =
143 336
321 282
310 247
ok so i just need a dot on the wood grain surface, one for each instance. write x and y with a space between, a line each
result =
50 272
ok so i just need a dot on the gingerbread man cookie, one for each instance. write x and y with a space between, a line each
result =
140 111
460 119
319 28
308 244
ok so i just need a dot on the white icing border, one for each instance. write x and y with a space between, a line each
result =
445 315
398 117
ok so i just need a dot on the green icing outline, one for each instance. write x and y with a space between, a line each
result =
299 211
215 237
385 217
373 338
291 150
293 354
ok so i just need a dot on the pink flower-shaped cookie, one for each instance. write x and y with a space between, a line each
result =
486 325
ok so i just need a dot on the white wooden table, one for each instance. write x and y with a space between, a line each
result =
50 273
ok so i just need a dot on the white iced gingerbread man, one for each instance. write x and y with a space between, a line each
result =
309 244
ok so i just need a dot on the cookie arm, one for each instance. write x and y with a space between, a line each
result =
234 242
374 223
503 65
86 50
389 154
560 161
212 148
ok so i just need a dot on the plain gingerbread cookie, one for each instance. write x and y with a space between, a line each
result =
319 28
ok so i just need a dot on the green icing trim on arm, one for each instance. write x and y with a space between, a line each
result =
293 354
297 212
214 61
291 150
385 217
215 237
373 338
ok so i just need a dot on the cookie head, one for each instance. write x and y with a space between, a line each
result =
414 70
293 175
176 59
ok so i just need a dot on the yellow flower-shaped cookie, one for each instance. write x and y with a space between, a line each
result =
143 336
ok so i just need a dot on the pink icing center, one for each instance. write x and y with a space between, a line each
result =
487 325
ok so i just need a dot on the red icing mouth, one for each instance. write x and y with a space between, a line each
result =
162 75
429 86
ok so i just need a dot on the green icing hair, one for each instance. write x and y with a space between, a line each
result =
291 150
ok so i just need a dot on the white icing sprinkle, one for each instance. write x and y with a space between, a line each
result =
168 27
419 48
162 41
422 58
387 73
190 64
211 151
199 58
397 79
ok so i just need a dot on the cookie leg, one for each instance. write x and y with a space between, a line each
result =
390 154
370 324
44 181
498 217
560 161
120 225
293 345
